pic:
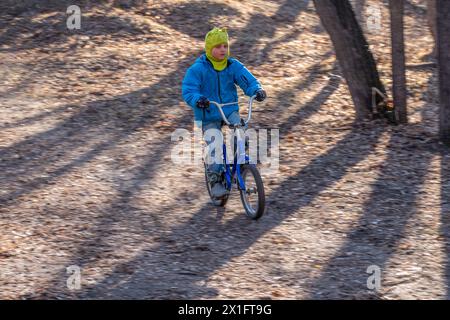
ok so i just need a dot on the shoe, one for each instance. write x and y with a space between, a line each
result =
218 190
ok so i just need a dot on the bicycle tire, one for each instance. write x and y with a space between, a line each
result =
259 212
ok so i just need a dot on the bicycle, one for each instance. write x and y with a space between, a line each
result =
241 169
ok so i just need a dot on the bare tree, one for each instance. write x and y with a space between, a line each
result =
353 54
396 8
443 45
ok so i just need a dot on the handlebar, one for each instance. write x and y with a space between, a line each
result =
220 105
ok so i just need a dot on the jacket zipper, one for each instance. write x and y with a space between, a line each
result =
218 82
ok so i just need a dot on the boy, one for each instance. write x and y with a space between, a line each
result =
214 76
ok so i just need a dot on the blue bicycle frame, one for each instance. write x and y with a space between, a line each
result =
240 157
235 171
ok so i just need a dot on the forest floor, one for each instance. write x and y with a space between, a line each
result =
87 178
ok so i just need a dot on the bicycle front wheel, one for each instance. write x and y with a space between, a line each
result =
253 197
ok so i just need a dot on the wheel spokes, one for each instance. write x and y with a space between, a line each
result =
250 190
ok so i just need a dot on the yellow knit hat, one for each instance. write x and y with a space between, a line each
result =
213 38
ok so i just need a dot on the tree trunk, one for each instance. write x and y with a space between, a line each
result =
359 6
431 15
352 51
443 44
398 59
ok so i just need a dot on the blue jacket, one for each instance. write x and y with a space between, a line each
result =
202 80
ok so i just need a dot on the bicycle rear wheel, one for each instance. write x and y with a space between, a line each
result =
253 197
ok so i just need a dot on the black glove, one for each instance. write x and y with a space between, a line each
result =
260 95
203 103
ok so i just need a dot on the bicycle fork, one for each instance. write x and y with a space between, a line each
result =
239 158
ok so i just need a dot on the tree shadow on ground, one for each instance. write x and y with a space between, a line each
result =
392 204
430 114
100 118
91 130
445 215
169 253
183 251
259 25
205 245
28 25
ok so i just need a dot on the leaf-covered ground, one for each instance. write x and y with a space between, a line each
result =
87 178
